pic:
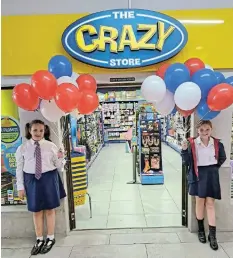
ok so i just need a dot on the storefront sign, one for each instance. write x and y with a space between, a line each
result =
124 38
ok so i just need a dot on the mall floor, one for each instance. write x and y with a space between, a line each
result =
117 204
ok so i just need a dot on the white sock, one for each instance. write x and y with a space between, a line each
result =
40 238
50 237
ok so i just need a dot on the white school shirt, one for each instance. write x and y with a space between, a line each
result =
205 154
26 160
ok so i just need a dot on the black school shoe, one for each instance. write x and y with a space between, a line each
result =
202 237
37 247
213 242
47 246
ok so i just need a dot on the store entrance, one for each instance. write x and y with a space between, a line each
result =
158 196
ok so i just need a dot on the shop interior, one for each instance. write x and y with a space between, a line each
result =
155 199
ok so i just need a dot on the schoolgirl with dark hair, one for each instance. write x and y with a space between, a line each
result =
38 161
204 155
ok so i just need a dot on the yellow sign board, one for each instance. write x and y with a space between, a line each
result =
28 42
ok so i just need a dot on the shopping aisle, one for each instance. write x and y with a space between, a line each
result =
117 204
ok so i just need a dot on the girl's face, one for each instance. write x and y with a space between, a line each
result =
37 132
205 131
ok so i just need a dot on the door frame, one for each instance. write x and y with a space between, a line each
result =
65 129
184 213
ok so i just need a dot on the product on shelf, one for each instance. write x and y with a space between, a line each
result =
118 118
90 133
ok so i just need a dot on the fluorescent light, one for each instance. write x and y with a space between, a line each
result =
202 21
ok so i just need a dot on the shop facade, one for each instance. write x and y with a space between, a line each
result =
31 52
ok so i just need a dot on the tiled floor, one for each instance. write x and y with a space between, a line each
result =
117 204
125 243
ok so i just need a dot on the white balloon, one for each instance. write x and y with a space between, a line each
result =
51 111
167 104
209 67
74 76
187 95
66 79
153 88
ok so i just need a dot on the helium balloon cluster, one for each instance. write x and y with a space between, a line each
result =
192 86
58 91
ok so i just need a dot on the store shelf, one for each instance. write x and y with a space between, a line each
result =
123 100
94 157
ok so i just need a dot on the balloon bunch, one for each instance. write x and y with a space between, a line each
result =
58 91
188 87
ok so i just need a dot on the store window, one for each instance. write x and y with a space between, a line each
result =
10 141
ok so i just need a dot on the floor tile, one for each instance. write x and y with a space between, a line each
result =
163 220
144 238
101 186
157 206
148 194
98 208
187 237
96 222
99 196
17 243
113 251
128 221
194 250
16 253
84 240
228 248
58 252
129 195
126 207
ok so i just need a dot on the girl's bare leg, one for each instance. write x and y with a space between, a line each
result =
38 218
200 208
50 219
210 209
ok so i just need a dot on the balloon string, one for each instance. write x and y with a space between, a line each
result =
187 131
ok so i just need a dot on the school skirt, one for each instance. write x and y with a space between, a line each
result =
208 184
45 193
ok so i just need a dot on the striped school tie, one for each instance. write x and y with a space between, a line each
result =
38 172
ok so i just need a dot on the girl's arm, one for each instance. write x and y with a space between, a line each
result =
19 169
222 155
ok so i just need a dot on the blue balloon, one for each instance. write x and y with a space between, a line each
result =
220 77
60 66
204 113
173 111
206 80
229 80
175 75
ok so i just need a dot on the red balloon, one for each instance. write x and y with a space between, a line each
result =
194 64
220 97
44 84
162 70
185 113
86 82
67 97
25 97
88 102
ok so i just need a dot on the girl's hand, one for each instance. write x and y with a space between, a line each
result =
60 154
21 194
184 145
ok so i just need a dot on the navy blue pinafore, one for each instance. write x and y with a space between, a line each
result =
45 193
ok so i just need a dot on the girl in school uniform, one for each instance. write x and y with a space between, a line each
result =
38 161
204 156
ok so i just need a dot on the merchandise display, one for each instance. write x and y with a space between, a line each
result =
118 118
90 134
150 151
